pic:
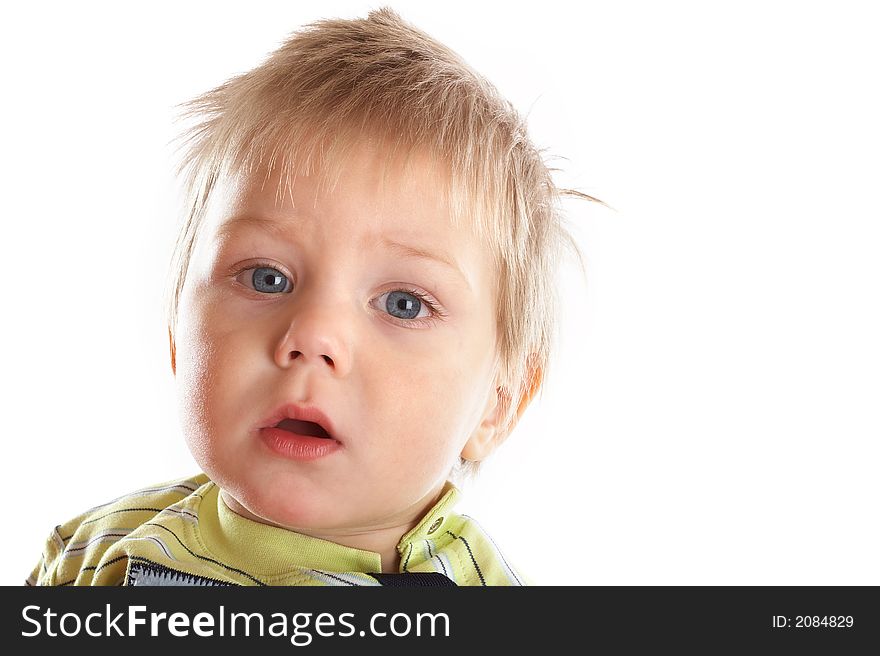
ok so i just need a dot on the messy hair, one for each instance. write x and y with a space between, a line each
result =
302 110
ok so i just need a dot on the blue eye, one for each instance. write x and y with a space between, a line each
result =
269 280
407 305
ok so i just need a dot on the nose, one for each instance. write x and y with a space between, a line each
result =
314 336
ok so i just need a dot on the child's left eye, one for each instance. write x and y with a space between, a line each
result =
409 307
402 304
267 280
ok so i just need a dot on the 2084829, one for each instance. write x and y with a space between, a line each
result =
813 622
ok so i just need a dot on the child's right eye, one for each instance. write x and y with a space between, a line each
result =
266 280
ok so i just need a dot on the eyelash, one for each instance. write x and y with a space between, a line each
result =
433 306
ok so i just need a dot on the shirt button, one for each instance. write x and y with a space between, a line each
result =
435 525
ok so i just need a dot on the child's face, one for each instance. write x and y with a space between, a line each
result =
337 324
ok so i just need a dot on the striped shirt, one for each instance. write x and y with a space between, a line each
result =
182 533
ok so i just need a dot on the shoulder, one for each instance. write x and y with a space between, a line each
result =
76 546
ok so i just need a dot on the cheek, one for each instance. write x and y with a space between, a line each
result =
195 391
427 408
208 379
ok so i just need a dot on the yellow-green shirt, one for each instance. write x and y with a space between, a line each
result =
182 533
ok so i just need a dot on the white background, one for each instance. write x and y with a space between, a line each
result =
712 417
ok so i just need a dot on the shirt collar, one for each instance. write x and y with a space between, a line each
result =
271 551
434 522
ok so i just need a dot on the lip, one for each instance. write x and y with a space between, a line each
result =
294 446
300 413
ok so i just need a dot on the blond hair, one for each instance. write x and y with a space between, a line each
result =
381 76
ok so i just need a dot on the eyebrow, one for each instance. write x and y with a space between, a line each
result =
403 250
414 252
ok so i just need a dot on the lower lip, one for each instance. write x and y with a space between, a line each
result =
298 447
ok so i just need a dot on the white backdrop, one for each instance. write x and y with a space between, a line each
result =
712 417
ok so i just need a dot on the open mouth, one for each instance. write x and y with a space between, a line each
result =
303 428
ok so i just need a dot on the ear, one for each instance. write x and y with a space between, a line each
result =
173 352
490 433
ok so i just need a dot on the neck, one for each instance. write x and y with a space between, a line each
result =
382 540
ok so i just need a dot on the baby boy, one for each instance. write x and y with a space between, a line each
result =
363 305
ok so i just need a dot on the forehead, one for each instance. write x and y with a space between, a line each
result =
406 191
366 200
